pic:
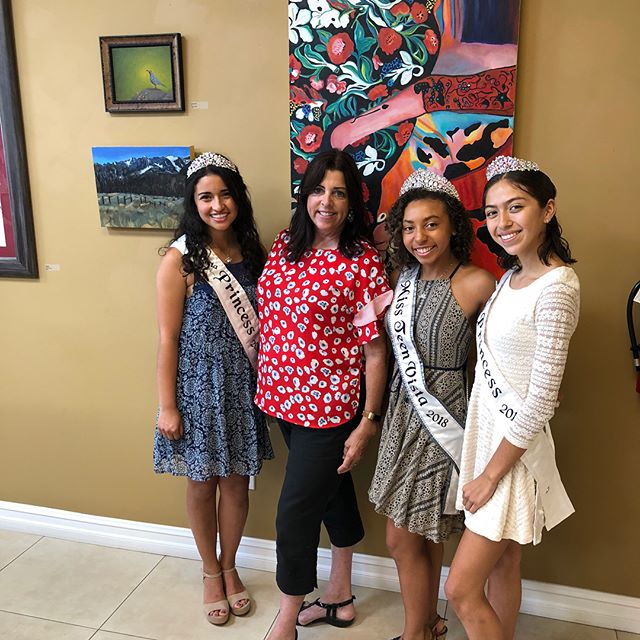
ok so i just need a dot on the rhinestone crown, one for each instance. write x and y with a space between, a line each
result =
504 164
210 159
425 179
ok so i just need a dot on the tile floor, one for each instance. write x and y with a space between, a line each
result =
59 590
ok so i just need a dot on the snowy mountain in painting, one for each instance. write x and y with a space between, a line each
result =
160 175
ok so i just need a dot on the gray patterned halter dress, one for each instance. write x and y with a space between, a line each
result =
413 473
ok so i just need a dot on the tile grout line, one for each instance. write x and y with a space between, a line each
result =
126 635
271 625
22 553
30 615
155 566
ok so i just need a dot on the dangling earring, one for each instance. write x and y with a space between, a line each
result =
350 215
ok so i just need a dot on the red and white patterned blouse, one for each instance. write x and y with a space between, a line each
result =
315 315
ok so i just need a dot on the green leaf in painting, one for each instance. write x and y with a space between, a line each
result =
324 35
358 35
366 68
297 125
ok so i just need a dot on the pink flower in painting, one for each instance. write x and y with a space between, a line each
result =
317 83
334 85
389 40
403 133
379 91
300 165
310 138
431 41
377 63
340 47
419 12
294 68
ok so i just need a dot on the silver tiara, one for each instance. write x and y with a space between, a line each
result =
504 164
209 159
425 179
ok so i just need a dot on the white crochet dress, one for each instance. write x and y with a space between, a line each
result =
528 332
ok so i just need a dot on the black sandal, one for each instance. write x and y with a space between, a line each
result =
331 615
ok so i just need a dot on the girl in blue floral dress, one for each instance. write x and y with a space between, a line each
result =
208 427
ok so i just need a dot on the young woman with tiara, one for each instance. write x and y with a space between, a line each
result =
438 296
208 427
509 482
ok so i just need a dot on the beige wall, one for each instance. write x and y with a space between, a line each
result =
77 392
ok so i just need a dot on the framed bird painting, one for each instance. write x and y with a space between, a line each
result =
142 73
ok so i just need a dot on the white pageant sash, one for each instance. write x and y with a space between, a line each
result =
236 305
552 502
440 423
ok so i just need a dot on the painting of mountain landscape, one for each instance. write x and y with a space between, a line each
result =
140 187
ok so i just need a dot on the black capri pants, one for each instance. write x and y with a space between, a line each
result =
313 493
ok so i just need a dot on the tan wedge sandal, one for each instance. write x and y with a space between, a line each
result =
236 597
220 605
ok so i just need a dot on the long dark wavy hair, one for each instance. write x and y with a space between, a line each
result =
355 232
540 187
461 240
196 260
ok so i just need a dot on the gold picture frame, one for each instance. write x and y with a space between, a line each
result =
142 73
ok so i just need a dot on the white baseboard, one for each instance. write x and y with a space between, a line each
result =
538 598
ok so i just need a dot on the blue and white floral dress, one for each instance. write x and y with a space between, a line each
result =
224 432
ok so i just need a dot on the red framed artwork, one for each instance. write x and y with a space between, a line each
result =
17 238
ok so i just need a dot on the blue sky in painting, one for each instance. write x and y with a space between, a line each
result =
103 155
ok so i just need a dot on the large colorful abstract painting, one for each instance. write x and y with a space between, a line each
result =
403 85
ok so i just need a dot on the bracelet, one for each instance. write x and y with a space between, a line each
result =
370 415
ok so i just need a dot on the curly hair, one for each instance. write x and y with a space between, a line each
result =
540 187
196 259
462 237
356 232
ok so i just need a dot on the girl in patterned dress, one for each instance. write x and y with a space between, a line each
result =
208 427
321 296
415 472
509 483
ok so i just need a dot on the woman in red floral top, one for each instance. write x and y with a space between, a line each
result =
321 297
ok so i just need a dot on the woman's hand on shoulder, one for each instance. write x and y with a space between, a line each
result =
170 424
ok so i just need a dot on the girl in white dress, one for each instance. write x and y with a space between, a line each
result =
509 483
